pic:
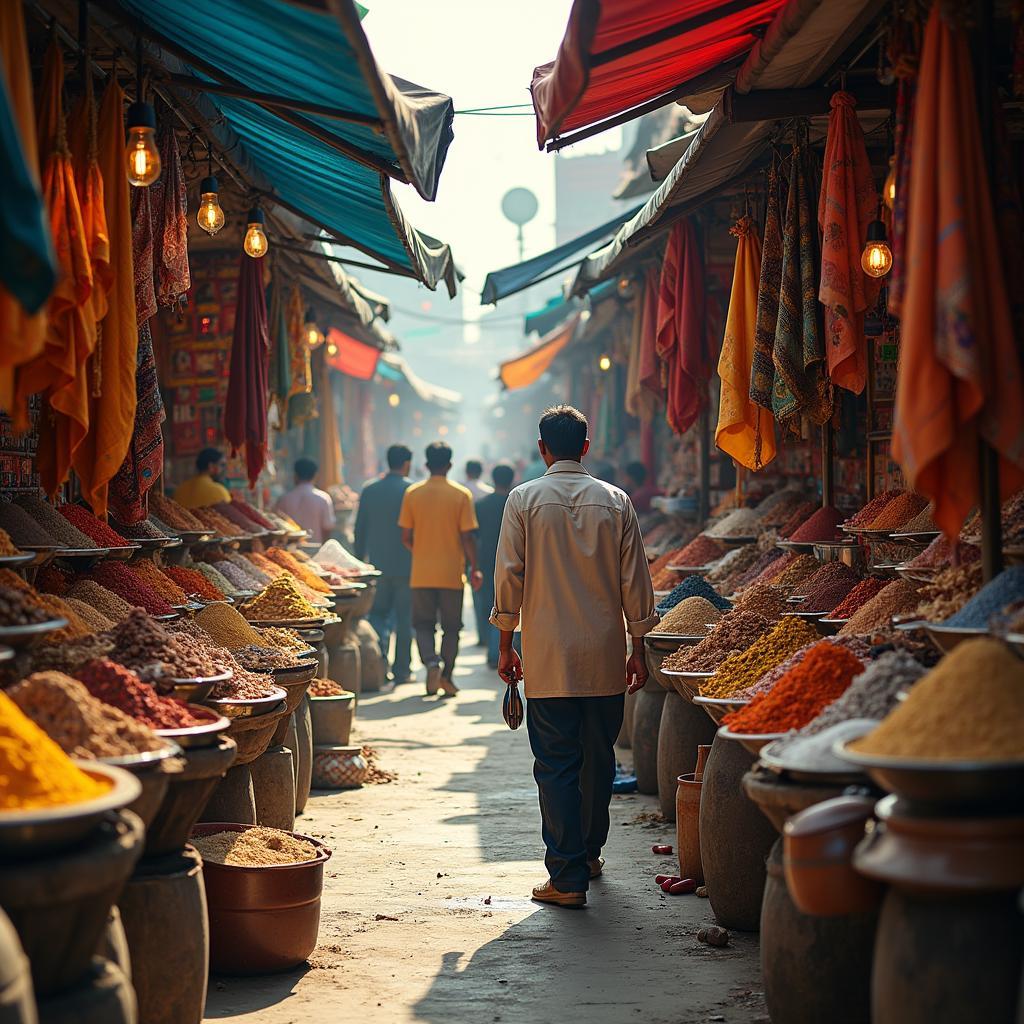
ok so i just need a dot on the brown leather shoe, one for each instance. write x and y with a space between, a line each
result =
596 867
547 893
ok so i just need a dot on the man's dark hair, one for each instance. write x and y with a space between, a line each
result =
208 457
305 469
636 471
503 475
563 430
474 469
398 456
439 456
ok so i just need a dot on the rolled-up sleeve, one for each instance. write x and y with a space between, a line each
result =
635 578
509 567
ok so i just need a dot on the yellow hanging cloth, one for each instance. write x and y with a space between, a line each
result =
330 438
745 430
70 333
22 335
111 369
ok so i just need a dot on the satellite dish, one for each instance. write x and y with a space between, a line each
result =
519 206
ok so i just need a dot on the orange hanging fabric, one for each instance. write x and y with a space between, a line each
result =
848 203
960 375
111 370
23 334
57 372
745 430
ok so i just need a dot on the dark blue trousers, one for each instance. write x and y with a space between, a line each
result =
573 742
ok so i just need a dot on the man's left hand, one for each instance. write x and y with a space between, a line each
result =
636 669
476 579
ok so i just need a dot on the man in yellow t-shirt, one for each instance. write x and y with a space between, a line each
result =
205 487
438 524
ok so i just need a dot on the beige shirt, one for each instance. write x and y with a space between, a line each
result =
571 565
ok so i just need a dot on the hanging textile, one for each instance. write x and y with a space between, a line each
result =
111 370
847 204
1009 218
22 315
650 372
801 387
245 410
58 372
142 466
681 340
301 404
904 59
330 461
280 354
169 211
960 375
143 249
745 430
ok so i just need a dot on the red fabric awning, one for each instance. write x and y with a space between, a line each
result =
617 54
353 357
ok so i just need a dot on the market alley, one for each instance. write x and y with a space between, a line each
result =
427 915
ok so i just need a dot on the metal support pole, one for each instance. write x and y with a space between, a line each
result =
828 485
704 506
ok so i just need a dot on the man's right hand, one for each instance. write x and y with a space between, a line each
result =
510 668
636 670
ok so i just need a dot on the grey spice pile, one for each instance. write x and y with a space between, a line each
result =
734 633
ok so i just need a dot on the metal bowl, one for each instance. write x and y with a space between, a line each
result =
719 707
194 691
122 554
795 545
234 707
13 561
674 640
204 734
829 627
19 636
778 763
753 742
948 637
144 758
310 623
305 669
919 537
735 542
698 570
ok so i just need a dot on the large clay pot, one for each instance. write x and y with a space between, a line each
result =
303 754
735 838
345 666
647 709
688 789
814 969
104 996
232 798
332 719
114 944
373 668
163 907
17 1004
273 787
683 726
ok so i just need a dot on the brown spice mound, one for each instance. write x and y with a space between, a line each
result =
734 632
691 617
896 598
796 572
900 511
257 847
7 546
326 688
17 608
950 591
68 657
144 646
873 508
762 599
227 627
375 775
173 514
105 601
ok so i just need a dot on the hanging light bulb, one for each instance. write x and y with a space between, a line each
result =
210 215
255 237
876 259
332 349
889 188
310 331
605 363
624 286
394 400
141 155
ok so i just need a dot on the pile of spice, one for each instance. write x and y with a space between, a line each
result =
741 522
233 513
194 583
726 579
701 551
256 658
242 573
301 572
797 518
243 684
214 522
743 669
691 617
255 847
122 689
173 514
54 579
216 578
326 688
794 574
154 654
144 529
18 609
92 526
159 581
949 592
119 579
942 552
55 608
854 644
227 627
828 586
22 528
254 514
286 639
763 599
859 596
835 570
898 597
693 586
103 600
7 546
734 633
79 723
59 528
70 656
720 569
92 617
823 525
34 771
663 580
764 563
945 720
281 600
872 510
922 522
265 565
998 594
822 677
898 512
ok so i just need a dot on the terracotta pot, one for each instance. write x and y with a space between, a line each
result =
345 667
17 1003
232 798
336 767
104 996
295 689
254 735
779 798
683 726
302 754
688 827
647 708
262 919
703 750
332 719
114 943
273 787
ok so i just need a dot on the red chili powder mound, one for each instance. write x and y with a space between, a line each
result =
860 595
872 509
797 518
254 514
700 551
823 525
899 512
104 535
801 694
194 582
129 586
123 689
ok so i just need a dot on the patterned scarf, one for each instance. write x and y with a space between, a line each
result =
142 254
762 371
169 204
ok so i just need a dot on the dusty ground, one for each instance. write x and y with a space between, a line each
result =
426 915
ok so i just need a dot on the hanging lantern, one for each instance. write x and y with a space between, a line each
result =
876 259
311 332
394 400
210 215
889 188
605 363
255 237
141 155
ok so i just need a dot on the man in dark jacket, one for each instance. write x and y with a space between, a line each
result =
378 539
489 510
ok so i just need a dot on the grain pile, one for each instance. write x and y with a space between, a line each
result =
690 617
949 592
255 847
105 601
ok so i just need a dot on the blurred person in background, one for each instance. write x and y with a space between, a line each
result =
310 507
378 539
639 487
205 488
474 482
489 511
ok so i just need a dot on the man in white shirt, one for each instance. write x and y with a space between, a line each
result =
310 507
474 484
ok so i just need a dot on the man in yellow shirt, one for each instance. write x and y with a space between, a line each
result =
205 487
437 522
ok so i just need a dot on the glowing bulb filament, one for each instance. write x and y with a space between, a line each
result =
143 163
256 241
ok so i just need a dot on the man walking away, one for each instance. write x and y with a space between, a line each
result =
378 539
481 611
571 561
310 507
489 511
474 482
438 522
